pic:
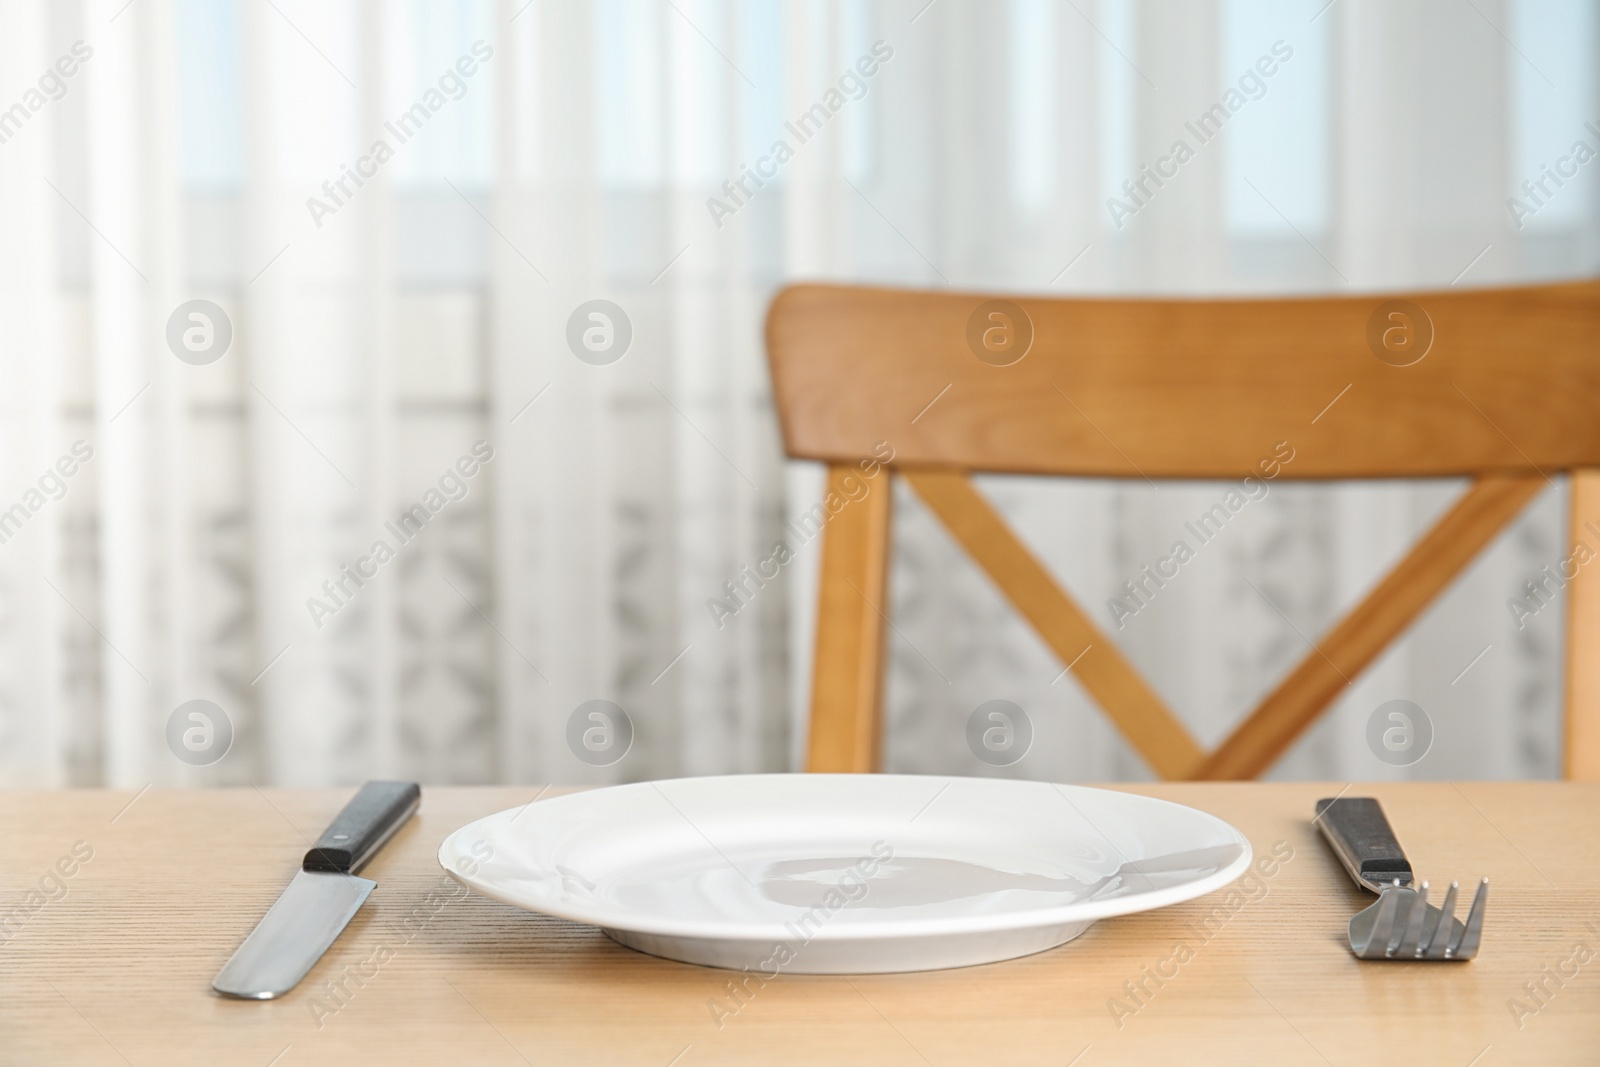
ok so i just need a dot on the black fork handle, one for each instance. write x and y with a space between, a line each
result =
1360 836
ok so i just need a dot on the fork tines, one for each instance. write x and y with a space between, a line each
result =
1419 939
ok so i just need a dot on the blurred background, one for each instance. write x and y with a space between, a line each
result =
387 311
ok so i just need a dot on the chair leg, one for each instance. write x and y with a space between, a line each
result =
1582 750
852 615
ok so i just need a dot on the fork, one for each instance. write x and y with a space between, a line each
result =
1402 925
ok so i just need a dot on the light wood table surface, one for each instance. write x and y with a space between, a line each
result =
118 969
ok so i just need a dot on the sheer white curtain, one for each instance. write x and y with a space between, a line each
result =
391 315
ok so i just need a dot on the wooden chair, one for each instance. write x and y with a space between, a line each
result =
1500 385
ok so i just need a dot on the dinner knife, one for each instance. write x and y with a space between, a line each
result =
324 896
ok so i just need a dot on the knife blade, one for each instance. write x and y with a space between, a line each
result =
323 897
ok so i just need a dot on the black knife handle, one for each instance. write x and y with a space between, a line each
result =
358 831
1363 841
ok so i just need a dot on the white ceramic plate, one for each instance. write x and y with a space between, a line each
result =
845 873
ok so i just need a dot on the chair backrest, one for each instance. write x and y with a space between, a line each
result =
1500 385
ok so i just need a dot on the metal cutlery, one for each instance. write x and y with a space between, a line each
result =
1402 925
324 896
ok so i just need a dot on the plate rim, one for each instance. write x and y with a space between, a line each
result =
884 930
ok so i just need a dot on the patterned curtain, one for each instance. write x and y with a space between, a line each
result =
385 393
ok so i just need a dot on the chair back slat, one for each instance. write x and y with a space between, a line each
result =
1509 381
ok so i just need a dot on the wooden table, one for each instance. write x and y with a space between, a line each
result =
117 968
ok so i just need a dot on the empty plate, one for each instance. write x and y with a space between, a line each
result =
845 873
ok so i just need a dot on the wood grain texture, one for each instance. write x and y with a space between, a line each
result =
1581 755
117 971
1097 664
1339 657
1193 388
847 673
